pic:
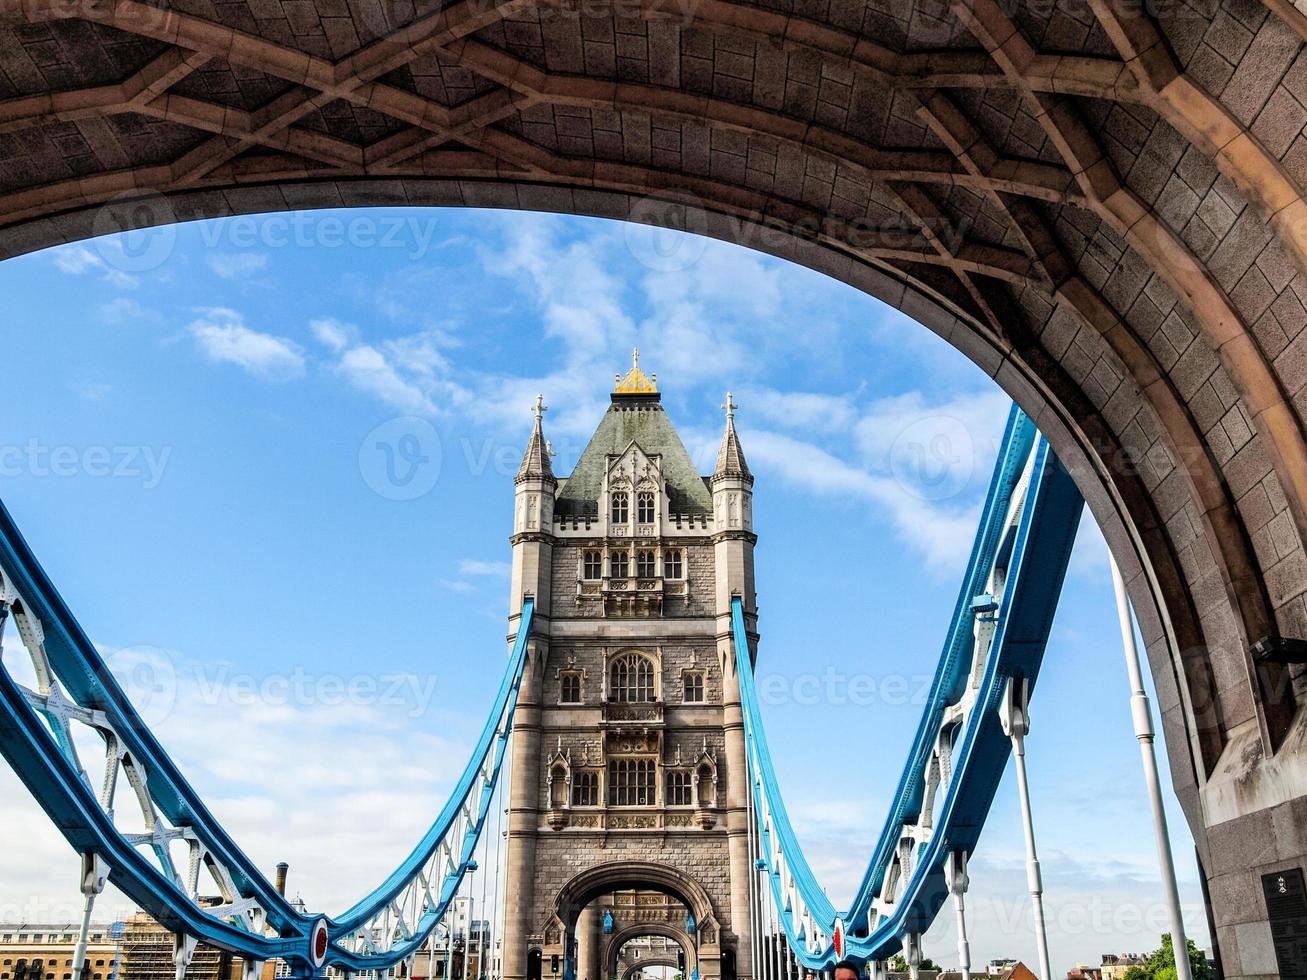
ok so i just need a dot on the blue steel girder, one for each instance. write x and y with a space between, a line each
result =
75 687
999 629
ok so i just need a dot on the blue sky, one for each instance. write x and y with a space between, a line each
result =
185 442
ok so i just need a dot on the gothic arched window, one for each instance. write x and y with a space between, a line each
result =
646 565
672 564
631 678
619 564
570 687
621 509
631 782
644 507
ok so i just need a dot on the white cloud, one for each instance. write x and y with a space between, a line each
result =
456 585
493 569
124 309
223 336
801 410
1089 556
75 260
338 775
332 333
92 391
922 463
237 265
369 371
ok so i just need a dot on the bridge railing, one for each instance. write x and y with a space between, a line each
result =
182 846
998 634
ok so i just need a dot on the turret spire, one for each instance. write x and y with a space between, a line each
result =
730 457
535 461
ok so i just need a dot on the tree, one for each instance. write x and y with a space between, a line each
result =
1161 964
900 965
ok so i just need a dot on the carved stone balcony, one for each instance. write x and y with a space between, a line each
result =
633 596
641 714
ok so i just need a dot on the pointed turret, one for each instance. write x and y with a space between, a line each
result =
535 461
730 457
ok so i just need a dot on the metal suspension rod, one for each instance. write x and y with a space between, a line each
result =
754 944
1016 725
764 931
94 875
955 876
467 936
493 916
1142 713
483 934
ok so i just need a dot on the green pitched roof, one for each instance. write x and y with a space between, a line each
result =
639 420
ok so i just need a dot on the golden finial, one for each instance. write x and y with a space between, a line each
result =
636 382
539 408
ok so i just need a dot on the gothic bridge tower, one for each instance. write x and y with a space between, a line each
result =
628 796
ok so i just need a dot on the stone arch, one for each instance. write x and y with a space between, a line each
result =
637 930
1138 298
1163 581
594 882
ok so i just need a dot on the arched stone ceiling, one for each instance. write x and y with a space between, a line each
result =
1100 202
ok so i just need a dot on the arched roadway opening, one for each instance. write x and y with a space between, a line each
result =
1108 228
615 943
656 961
602 879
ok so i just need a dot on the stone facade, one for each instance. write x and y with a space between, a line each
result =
628 746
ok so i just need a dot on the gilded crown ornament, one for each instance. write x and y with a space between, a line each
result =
636 381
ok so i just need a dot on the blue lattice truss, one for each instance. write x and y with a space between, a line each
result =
161 869
999 630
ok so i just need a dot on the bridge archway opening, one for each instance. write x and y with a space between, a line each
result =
615 897
1187 670
648 944
1093 218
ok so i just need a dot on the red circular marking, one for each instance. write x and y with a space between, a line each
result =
319 943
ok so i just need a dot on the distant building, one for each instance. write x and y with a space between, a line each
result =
437 960
1116 965
1083 971
40 951
147 954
